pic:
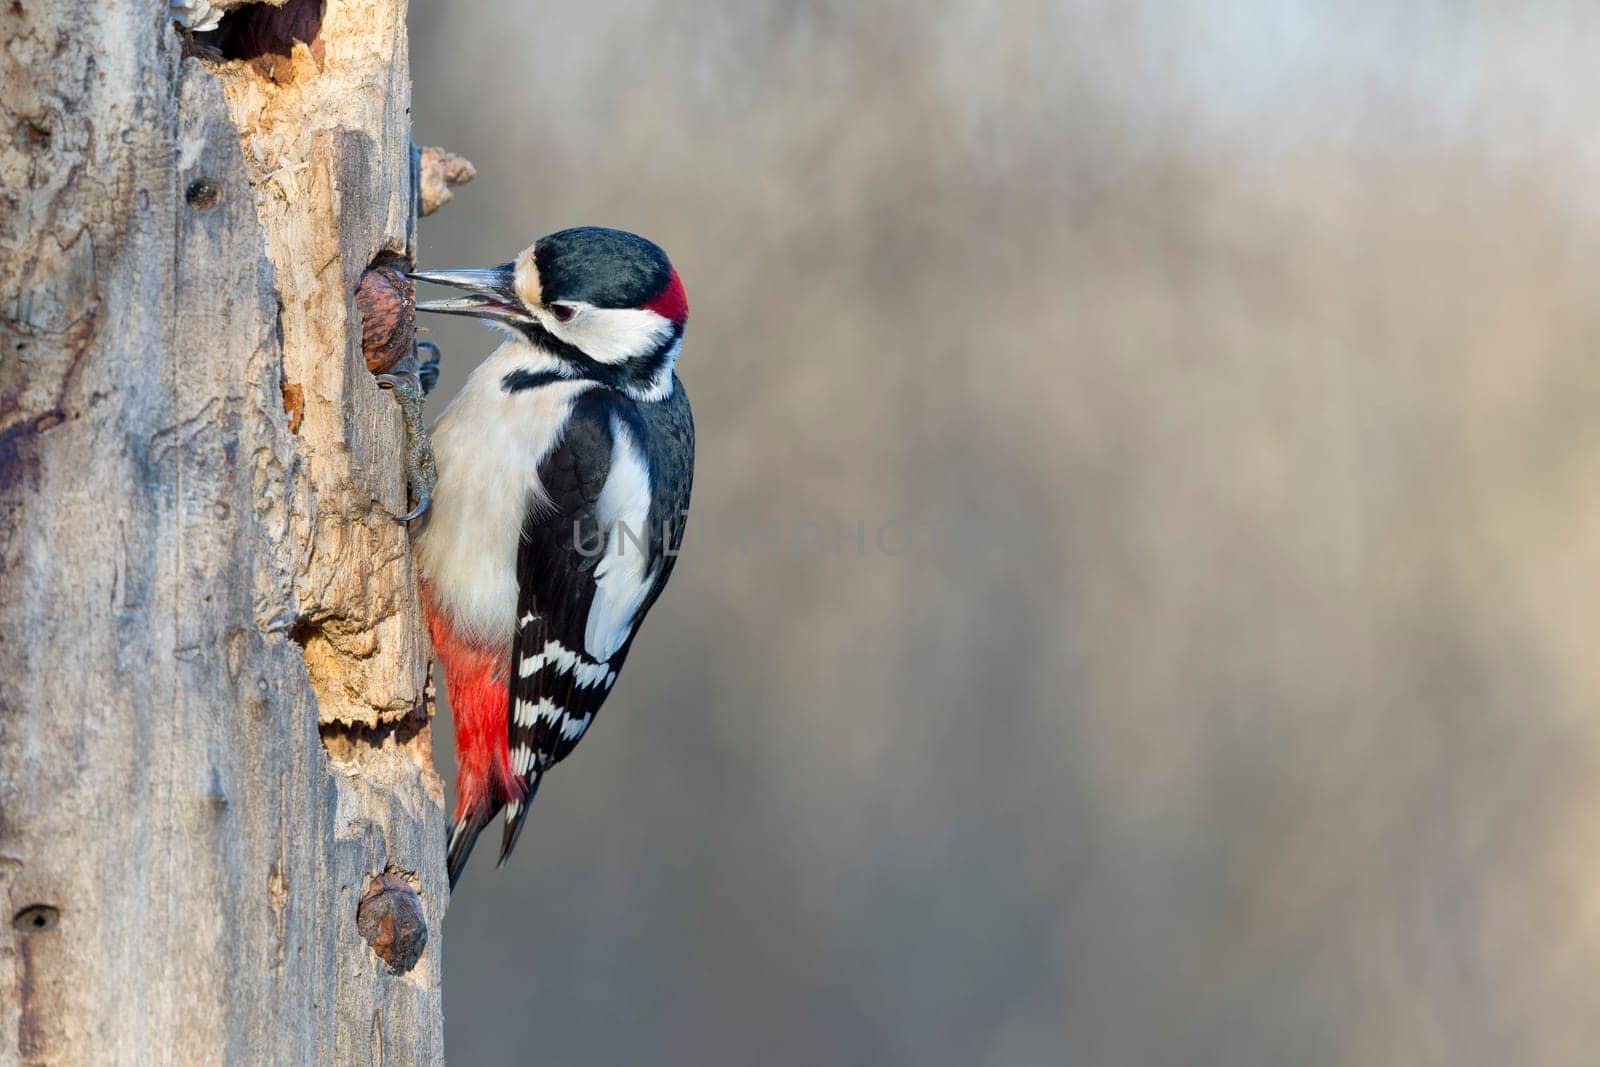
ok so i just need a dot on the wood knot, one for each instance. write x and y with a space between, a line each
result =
390 918
388 304
439 174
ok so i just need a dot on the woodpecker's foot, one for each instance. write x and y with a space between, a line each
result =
421 472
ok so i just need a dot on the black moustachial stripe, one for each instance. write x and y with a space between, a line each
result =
521 379
637 371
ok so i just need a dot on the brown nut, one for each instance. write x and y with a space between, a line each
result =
390 918
388 303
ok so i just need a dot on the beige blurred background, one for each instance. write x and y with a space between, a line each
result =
1235 699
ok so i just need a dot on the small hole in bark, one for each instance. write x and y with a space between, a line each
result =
36 918
303 631
203 194
32 136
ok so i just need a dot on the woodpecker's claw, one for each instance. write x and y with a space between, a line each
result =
416 512
421 472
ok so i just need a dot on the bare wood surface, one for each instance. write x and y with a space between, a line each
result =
213 733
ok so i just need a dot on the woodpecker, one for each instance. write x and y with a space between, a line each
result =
564 468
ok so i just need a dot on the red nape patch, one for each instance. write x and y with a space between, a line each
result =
672 302
475 678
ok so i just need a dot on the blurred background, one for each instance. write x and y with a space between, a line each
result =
1140 603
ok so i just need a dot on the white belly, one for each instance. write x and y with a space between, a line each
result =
489 444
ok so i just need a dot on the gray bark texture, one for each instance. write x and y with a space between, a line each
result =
214 739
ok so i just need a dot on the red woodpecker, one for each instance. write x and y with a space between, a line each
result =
564 467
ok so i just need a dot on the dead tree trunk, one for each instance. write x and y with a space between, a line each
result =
213 728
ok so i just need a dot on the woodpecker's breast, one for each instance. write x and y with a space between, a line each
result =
488 444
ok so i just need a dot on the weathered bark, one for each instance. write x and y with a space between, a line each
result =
213 729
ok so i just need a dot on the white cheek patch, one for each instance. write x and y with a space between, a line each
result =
623 576
614 335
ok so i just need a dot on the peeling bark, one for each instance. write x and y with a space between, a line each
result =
213 718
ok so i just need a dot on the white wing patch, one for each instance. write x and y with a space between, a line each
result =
623 576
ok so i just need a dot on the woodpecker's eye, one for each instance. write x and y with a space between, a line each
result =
563 312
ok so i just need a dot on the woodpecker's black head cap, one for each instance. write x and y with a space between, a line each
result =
606 268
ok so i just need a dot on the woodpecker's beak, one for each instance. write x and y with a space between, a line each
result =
492 290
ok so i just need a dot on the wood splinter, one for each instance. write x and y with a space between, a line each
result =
440 173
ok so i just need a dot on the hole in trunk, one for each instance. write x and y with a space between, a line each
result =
266 34
203 194
348 743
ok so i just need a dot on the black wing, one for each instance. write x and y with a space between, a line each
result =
669 427
557 684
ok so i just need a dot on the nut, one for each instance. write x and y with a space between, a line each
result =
390 918
388 303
